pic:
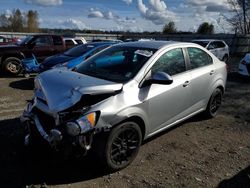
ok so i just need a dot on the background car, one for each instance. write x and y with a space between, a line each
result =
244 66
5 40
74 56
71 42
123 95
41 45
218 47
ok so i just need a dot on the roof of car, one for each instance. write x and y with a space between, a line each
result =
148 44
207 40
101 43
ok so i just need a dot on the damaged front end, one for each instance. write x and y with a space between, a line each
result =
61 111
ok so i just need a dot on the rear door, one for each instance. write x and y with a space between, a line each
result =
202 72
43 47
58 44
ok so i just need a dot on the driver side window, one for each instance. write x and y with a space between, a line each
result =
43 41
172 62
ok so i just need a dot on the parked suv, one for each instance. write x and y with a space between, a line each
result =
41 46
218 47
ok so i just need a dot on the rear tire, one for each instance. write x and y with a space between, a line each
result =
118 149
214 104
12 65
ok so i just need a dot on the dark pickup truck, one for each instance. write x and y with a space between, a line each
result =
42 46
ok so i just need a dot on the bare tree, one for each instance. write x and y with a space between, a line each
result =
18 21
240 21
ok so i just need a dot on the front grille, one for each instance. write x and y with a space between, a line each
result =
248 68
47 121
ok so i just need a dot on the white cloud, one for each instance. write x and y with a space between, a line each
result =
114 21
45 2
109 15
127 1
71 23
157 12
158 5
142 8
74 24
95 14
101 14
210 5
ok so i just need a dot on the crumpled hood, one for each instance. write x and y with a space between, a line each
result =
62 89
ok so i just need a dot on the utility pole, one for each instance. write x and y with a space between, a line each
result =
244 15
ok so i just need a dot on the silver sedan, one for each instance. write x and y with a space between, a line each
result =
124 95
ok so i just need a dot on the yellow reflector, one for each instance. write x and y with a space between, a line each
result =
91 118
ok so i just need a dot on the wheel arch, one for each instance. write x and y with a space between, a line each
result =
16 55
137 120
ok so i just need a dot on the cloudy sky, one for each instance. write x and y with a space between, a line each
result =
132 15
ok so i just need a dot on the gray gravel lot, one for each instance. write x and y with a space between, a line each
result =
198 153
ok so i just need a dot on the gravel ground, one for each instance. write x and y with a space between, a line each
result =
197 153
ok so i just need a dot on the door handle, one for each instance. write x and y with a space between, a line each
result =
212 72
186 83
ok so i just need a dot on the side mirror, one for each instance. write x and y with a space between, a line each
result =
158 78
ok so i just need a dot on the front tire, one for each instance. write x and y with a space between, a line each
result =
214 103
12 65
121 146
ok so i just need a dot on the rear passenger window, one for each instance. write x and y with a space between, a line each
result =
172 62
78 41
198 58
220 45
57 40
69 42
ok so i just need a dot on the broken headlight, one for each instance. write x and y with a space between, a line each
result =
82 125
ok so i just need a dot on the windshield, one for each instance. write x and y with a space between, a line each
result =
26 40
117 64
202 43
79 50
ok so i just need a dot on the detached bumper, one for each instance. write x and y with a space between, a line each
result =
31 122
56 136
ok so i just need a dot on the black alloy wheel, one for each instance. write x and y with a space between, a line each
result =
121 146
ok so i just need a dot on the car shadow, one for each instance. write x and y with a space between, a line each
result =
240 180
20 167
24 84
236 77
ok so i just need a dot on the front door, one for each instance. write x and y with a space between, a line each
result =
168 103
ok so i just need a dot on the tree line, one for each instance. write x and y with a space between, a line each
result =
18 21
204 28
